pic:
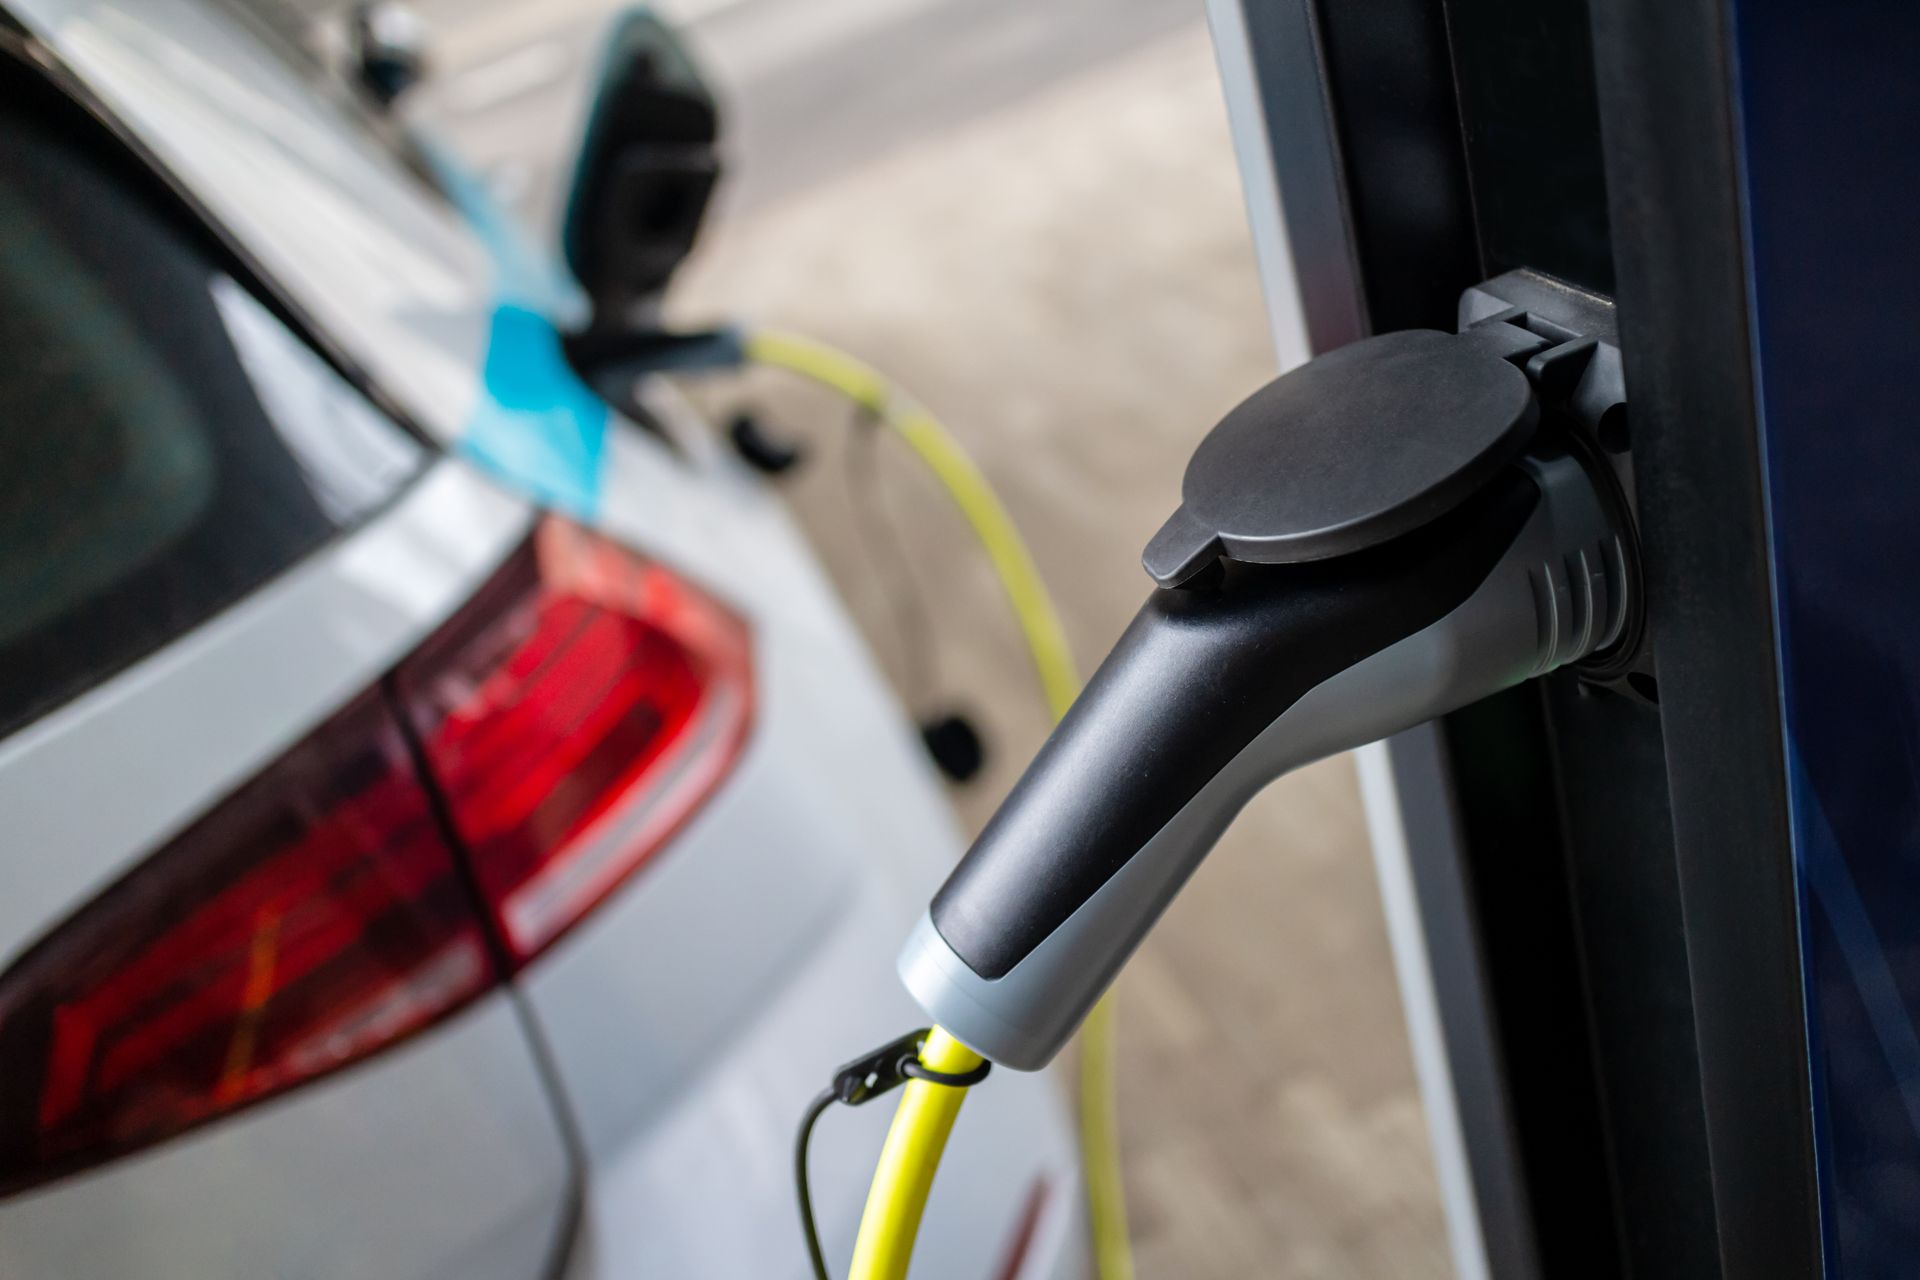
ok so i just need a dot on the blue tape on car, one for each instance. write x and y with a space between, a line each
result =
536 425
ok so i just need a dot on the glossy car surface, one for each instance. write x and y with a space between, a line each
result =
316 343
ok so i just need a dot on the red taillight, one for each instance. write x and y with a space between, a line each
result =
314 917
573 717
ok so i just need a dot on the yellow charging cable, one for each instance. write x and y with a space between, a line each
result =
926 1113
904 1175
1100 1144
950 465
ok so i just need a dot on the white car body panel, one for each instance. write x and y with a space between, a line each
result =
439 1160
87 791
687 1020
327 1180
393 274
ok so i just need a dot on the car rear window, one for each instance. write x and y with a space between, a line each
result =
167 443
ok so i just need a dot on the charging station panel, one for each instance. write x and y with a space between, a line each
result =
1609 876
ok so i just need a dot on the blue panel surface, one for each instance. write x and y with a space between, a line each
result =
1829 98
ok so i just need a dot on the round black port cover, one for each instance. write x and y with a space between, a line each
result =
1360 445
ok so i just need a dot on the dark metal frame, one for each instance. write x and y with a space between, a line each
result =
1666 82
1606 890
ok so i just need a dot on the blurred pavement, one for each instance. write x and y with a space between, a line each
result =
1029 214
509 75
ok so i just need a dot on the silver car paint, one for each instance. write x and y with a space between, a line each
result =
441 1158
691 1016
386 269
94 786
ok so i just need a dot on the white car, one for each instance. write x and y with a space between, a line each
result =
403 877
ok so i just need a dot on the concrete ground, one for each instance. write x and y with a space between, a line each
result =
1054 257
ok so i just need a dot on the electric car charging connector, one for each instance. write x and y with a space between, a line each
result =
1036 958
1385 534
1376 538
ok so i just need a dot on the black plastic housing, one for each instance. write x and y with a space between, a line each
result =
1195 678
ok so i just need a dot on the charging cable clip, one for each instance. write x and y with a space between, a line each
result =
862 1080
892 1065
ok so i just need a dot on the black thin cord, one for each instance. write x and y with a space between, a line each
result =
861 1081
880 537
820 1103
